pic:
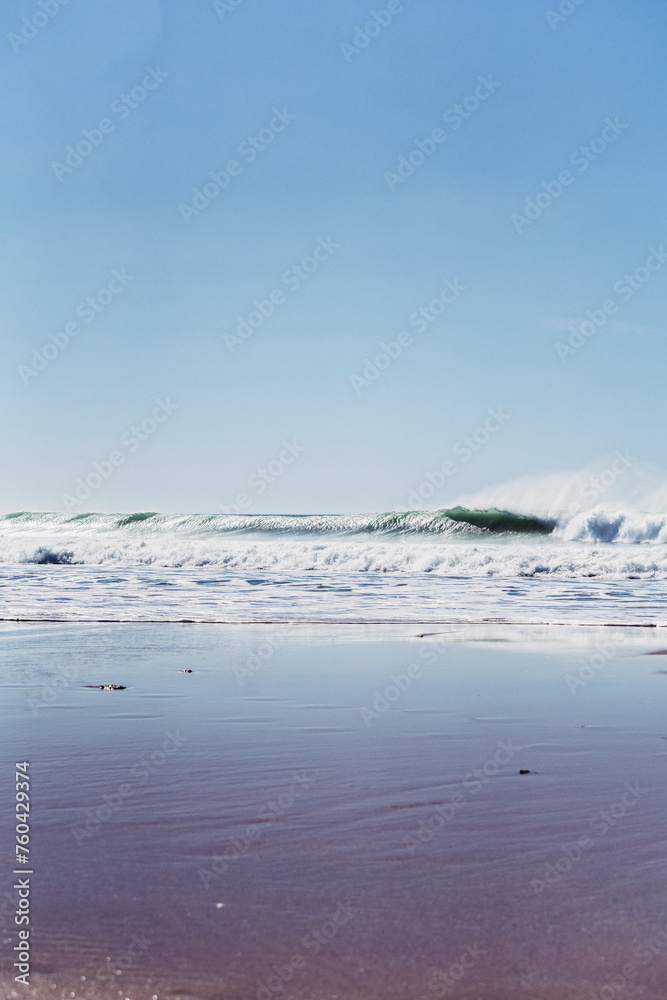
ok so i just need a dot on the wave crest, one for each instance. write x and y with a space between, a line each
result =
454 520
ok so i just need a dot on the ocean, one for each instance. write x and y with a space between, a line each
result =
400 755
453 565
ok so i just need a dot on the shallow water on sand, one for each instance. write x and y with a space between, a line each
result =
206 594
338 811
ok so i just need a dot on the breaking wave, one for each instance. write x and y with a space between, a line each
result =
604 543
446 521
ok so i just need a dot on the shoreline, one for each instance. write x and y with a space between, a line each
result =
328 621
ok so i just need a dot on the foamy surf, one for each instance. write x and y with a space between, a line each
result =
612 544
456 564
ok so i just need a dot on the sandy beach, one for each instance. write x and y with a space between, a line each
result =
333 511
339 812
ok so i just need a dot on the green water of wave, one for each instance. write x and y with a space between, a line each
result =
454 520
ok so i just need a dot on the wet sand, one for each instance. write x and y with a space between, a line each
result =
338 812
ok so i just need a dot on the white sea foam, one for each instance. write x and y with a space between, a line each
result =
503 558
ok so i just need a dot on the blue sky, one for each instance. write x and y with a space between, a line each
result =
170 285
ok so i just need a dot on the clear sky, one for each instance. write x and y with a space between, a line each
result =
498 166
